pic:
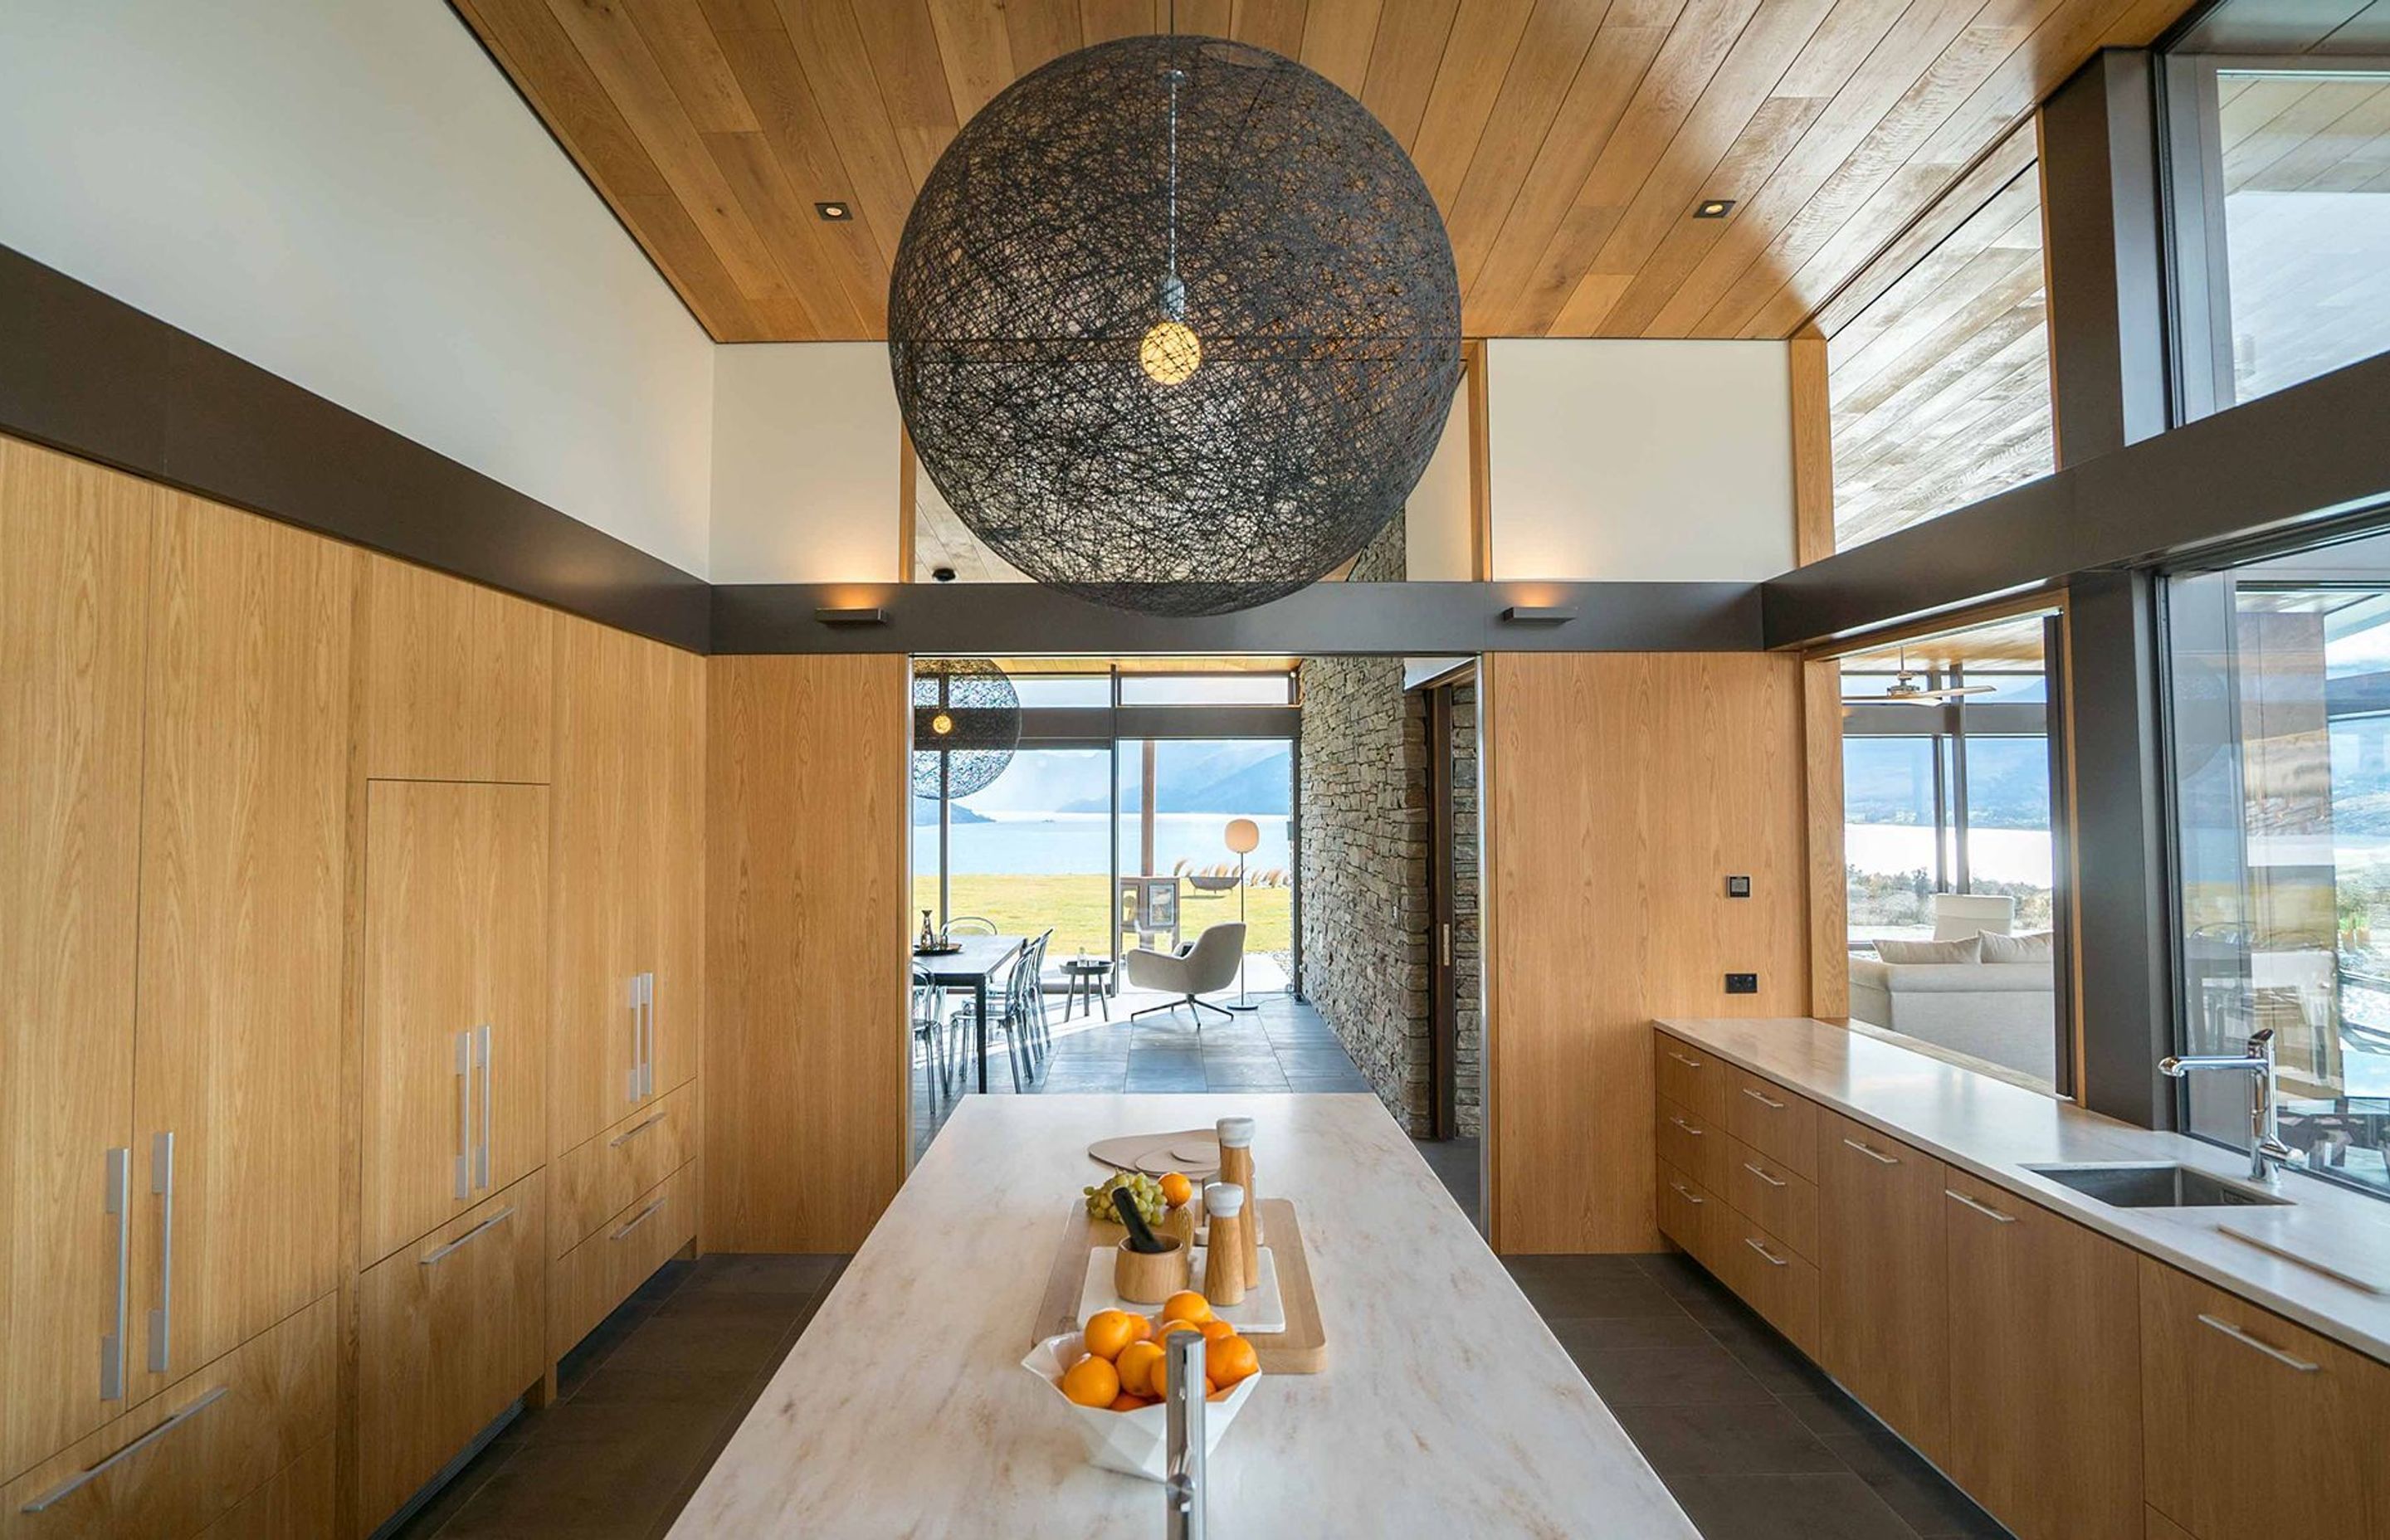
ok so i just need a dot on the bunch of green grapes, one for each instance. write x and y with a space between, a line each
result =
1146 1189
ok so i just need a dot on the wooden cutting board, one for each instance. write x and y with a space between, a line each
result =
1302 1348
1193 1152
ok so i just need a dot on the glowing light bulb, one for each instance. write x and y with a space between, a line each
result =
1170 352
942 724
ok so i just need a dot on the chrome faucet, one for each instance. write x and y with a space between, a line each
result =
2268 1153
1182 1490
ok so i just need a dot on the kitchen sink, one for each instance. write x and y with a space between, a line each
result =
2157 1187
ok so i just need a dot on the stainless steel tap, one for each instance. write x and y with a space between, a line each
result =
2268 1153
1183 1393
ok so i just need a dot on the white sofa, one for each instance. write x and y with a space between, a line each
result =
2000 1012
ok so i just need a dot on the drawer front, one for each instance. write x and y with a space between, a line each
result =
2254 1428
296 1505
596 1180
1773 1120
187 1456
601 1272
1771 1277
1694 1144
1689 1076
1773 1196
449 1333
1687 1215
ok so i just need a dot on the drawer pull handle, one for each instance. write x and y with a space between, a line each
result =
1771 1181
2268 1349
1764 1101
640 1127
1686 1127
1985 1209
1873 1154
1687 1193
469 1237
59 1494
1688 1063
637 1219
1773 1259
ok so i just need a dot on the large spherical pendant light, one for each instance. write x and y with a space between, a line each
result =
1175 325
966 725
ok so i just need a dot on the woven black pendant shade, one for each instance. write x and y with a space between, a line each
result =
966 712
1188 468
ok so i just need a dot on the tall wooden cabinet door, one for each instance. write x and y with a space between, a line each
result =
458 679
1883 1304
2255 1428
455 1001
676 1017
2045 1369
74 551
244 859
601 880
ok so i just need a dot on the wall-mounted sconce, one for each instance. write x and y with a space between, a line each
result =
852 616
1538 614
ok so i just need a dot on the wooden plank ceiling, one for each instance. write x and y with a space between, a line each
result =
1567 141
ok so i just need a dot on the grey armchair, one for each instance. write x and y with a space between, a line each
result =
1209 964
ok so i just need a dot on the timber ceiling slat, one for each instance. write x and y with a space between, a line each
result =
1567 141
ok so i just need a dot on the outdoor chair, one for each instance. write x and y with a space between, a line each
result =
1209 964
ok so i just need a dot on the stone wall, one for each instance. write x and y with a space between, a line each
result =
1361 789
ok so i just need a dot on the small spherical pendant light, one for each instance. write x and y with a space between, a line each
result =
1175 325
966 725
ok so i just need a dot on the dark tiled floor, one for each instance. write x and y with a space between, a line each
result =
1455 1164
1284 1046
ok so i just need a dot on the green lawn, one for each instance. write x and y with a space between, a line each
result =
1079 908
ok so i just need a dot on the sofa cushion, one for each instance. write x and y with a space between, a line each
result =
2035 947
1967 950
1966 978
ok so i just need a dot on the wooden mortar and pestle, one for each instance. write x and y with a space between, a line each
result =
1147 1268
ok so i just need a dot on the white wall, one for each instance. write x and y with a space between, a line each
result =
1438 541
349 194
1639 460
806 443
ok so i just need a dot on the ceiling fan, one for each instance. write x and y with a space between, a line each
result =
1905 690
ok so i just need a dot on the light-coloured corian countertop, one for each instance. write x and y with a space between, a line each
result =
1995 1130
1447 1407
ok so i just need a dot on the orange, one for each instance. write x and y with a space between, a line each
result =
1140 1368
1108 1332
1216 1328
1092 1381
1231 1360
1161 1333
1140 1328
1187 1305
1128 1403
1176 1189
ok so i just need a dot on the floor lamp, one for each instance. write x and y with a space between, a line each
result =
1244 837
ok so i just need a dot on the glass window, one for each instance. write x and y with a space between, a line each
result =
1206 689
2279 709
1199 786
1032 851
1063 689
2305 208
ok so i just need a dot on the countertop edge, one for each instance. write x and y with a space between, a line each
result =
2062 1201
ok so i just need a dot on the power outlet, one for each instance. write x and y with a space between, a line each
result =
1743 984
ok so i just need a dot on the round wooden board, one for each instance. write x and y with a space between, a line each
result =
1154 1154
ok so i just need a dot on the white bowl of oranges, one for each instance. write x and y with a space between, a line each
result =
1108 1375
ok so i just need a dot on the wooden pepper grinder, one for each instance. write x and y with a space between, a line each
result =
1236 1136
1224 1278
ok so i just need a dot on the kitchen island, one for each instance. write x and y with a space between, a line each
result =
1447 1407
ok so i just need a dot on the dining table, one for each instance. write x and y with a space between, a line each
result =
980 959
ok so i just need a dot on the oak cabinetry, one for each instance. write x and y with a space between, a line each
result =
596 1180
2045 1427
2255 1428
1691 1079
458 679
2160 1527
1694 1144
598 1274
450 1331
676 1004
74 570
189 1454
1883 1325
455 1001
1773 1196
1770 1274
295 1505
1771 1120
1688 1216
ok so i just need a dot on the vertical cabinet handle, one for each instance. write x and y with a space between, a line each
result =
638 1031
161 1182
464 1114
119 1208
648 1058
481 1159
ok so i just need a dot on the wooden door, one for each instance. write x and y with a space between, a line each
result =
458 681
244 861
455 1001
600 870
1883 1317
450 1329
2256 1429
2045 1369
75 555
677 793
